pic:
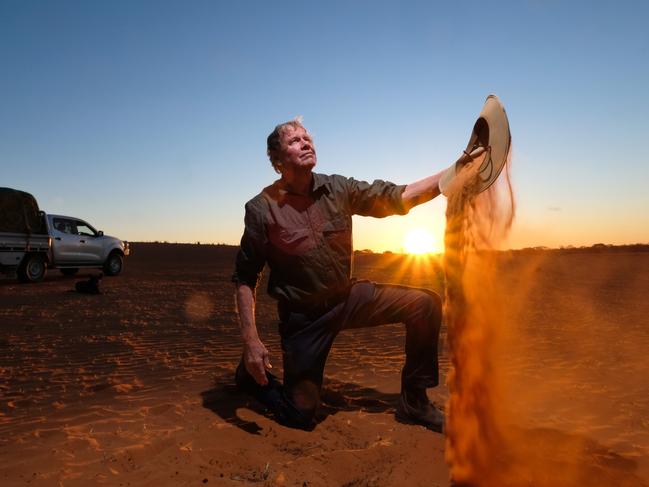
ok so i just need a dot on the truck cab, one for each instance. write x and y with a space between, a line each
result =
76 244
32 241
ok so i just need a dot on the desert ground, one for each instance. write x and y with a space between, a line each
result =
134 386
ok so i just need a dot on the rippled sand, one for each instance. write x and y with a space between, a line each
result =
134 385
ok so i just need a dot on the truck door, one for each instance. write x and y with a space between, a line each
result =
65 241
90 242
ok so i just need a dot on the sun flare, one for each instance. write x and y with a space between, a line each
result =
419 241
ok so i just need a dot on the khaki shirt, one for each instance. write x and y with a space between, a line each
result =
307 240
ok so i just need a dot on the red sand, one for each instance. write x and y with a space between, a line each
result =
133 387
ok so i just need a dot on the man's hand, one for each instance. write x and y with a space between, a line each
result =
461 170
428 188
257 360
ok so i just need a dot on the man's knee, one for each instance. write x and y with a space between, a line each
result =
298 419
304 398
429 304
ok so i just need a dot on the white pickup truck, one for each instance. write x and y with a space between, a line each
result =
32 241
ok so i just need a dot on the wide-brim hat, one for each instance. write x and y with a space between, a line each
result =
491 131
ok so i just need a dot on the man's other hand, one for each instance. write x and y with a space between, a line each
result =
257 360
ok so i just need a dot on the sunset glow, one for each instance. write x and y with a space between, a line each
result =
419 241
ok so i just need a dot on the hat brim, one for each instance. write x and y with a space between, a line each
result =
491 131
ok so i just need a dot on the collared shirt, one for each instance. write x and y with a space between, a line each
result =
306 240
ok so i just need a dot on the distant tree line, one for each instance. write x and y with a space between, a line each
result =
598 247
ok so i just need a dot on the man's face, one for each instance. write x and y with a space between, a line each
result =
297 150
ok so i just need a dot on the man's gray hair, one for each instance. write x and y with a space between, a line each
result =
274 140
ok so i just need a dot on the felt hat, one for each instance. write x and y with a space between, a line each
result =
490 134
491 131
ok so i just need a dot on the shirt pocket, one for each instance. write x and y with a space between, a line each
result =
338 224
337 233
292 241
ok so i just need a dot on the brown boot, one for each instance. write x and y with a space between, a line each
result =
415 408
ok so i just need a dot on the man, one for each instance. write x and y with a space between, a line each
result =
301 227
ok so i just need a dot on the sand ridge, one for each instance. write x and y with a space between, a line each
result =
135 386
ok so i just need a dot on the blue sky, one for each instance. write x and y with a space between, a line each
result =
149 119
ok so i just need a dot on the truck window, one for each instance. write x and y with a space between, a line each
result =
85 230
65 226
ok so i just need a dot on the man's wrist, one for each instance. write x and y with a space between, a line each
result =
249 339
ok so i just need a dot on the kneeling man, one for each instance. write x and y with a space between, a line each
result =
301 227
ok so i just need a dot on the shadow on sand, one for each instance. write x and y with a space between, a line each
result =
551 458
224 400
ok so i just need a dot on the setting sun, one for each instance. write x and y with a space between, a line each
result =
419 241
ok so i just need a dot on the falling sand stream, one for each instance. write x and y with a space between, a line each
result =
476 223
488 443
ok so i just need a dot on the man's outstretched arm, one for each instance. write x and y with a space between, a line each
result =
428 188
421 191
255 355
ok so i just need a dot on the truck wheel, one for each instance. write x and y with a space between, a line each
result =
69 271
113 265
32 268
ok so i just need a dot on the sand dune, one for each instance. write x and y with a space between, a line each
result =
134 386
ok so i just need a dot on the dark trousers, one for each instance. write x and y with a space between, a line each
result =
307 337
